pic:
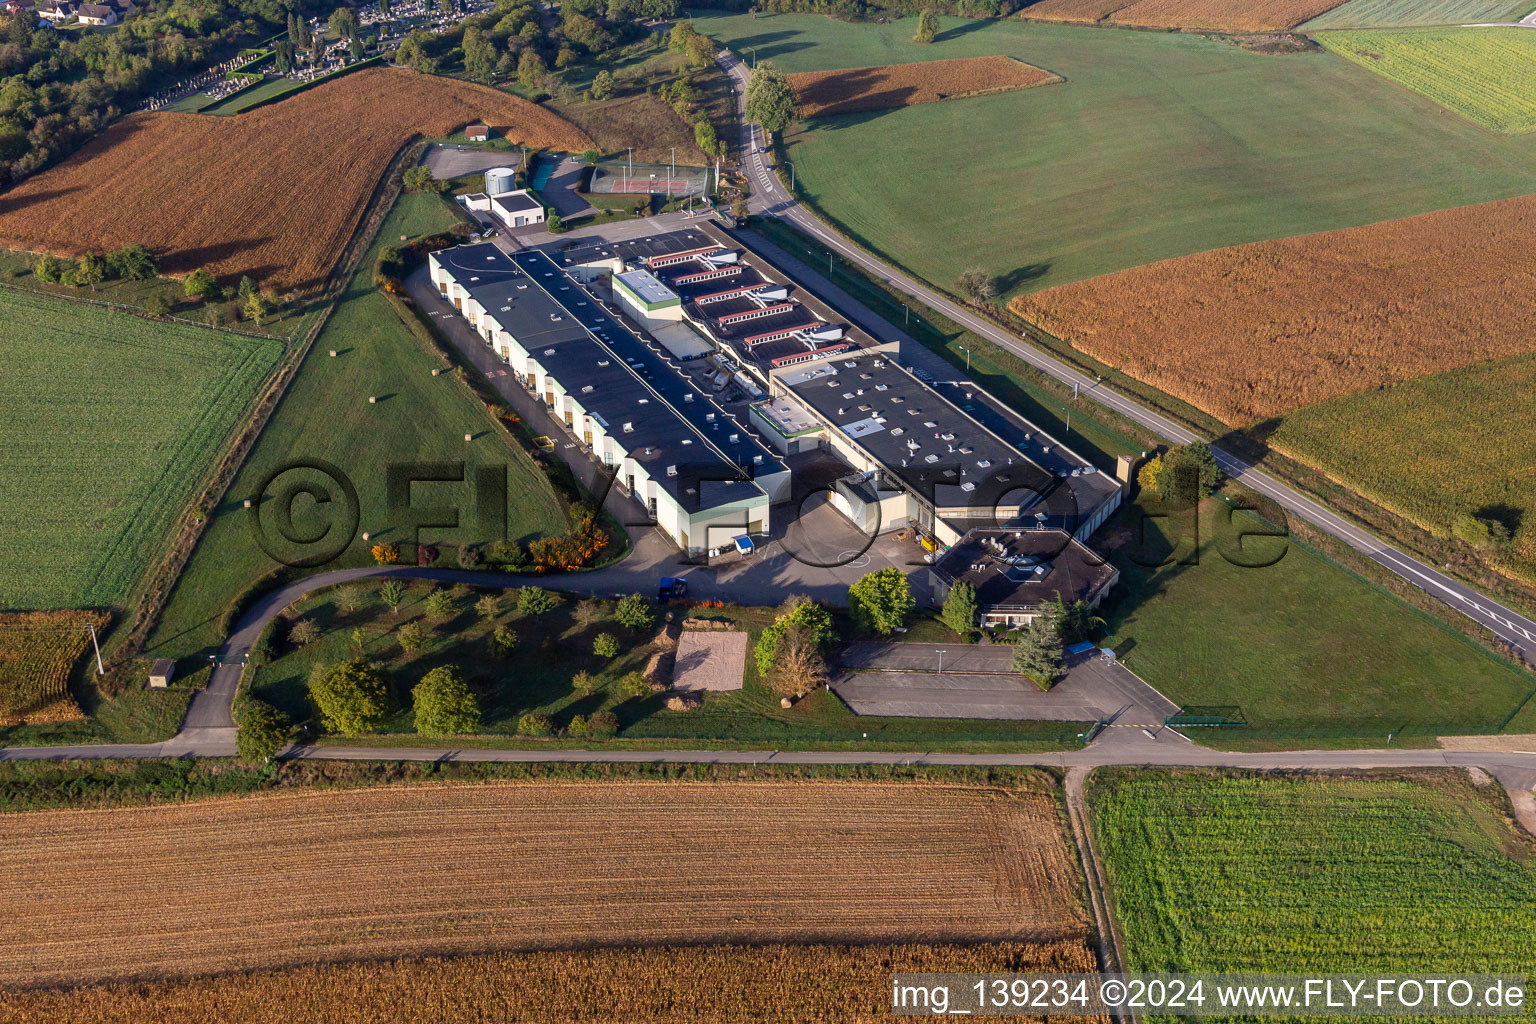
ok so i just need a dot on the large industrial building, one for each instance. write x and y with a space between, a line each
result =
940 457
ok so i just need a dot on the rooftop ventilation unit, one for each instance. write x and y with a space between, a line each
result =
629 428
549 351
473 280
602 362
645 401
967 486
687 440
588 389
709 417
757 460
671 471
688 398
735 439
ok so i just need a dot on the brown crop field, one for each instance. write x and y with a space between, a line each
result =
1253 331
286 879
856 90
666 985
37 652
1222 15
274 193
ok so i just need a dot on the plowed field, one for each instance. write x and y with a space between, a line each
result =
1224 15
692 985
1253 331
856 90
37 651
274 193
304 877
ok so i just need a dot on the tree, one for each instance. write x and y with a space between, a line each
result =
700 52
534 601
1076 621
553 223
960 607
880 601
479 55
352 697
770 100
977 285
262 649
355 47
200 284
156 304
1183 474
441 605
682 31
605 645
392 593
1480 531
634 685
263 731
488 607
444 704
592 156
583 682
603 724
634 613
383 8
303 633
133 262
420 179
342 22
531 69
602 89
446 6
705 138
739 209
49 269
282 56
1037 653
254 307
927 26
92 270
247 287
535 725
798 664
503 642
797 611
412 637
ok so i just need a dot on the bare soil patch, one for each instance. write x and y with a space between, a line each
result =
858 90
307 877
1253 331
274 193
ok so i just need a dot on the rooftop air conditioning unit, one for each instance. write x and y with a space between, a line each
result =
735 439
688 398
588 389
671 471
757 460
629 428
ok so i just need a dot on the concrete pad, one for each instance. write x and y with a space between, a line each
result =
710 660
959 695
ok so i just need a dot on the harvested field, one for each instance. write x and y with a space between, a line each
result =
1224 15
274 193
1253 331
694 985
1398 13
302 877
37 652
856 90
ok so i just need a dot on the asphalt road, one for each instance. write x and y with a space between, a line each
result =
771 198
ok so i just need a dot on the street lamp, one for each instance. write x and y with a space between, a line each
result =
967 358
940 652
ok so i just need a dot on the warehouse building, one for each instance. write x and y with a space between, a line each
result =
700 474
1020 573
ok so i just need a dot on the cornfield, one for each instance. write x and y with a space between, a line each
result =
1253 331
1222 15
855 90
274 193
1485 74
668 985
1213 872
305 877
37 652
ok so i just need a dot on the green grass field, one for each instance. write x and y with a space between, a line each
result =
1400 13
1485 74
557 644
108 422
326 415
1434 448
1157 145
1302 645
1211 872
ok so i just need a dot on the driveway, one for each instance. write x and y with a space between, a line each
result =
563 190
907 680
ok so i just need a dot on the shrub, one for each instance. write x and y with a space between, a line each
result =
1184 474
352 697
427 554
577 726
441 605
603 724
634 685
605 645
583 682
509 553
303 633
350 599
634 613
503 642
535 725
200 284
412 637
587 612
262 650
263 731
488 607
386 554
1480 532
444 704
469 556
534 601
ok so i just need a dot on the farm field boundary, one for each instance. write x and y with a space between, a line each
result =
362 874
862 90
1487 75
1220 15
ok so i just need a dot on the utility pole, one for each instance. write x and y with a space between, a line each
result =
100 669
967 358
671 172
940 651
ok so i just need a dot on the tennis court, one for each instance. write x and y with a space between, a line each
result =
622 178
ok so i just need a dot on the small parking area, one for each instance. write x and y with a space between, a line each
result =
453 162
977 681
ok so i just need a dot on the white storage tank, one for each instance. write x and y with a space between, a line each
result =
499 180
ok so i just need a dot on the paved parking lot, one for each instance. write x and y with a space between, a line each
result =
977 681
451 162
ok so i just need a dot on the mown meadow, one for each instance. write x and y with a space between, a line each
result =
1210 871
108 423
